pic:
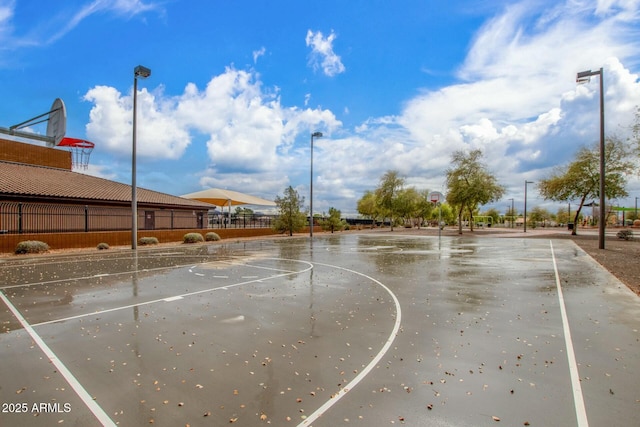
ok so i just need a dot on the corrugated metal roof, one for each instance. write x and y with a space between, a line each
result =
22 180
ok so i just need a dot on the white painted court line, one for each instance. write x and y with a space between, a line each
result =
97 411
578 399
176 297
71 279
354 382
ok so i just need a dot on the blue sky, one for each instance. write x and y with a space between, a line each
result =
237 88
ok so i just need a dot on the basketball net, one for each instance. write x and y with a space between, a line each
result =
80 151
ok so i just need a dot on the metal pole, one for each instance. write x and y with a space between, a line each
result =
601 227
526 184
134 195
511 216
313 135
142 72
311 192
439 225
525 205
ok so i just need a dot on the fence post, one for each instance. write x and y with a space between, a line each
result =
86 218
172 219
20 218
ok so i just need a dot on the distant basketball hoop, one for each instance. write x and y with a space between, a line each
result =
436 197
80 151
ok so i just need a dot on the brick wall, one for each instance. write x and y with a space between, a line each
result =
21 152
8 242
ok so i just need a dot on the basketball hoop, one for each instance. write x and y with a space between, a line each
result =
435 196
80 151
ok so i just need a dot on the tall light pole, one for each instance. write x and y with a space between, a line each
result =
583 77
313 135
143 73
511 212
525 203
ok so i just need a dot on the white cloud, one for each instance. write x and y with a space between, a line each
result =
322 54
127 8
516 99
247 129
6 15
258 53
159 135
61 20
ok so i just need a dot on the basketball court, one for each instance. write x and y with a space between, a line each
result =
353 329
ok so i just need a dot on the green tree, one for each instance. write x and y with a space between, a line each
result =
368 206
494 214
538 215
387 194
424 207
448 215
470 184
407 204
333 221
243 211
510 217
580 179
290 217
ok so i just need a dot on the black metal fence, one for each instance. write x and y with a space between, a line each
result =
18 218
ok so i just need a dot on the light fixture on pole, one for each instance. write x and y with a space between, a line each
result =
143 73
583 77
313 135
525 203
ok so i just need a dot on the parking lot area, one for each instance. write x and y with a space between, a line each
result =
348 329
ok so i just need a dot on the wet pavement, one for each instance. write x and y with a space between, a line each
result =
365 329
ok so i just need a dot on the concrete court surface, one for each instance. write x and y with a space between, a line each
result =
353 329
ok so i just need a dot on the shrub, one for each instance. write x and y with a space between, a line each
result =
31 247
192 238
148 241
102 246
625 234
211 237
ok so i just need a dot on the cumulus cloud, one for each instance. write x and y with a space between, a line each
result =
517 98
322 54
247 129
159 134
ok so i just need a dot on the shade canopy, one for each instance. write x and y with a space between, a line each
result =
220 197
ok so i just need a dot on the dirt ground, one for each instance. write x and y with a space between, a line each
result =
620 257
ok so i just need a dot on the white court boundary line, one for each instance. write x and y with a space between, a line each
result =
354 382
578 399
96 409
145 270
181 296
104 418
